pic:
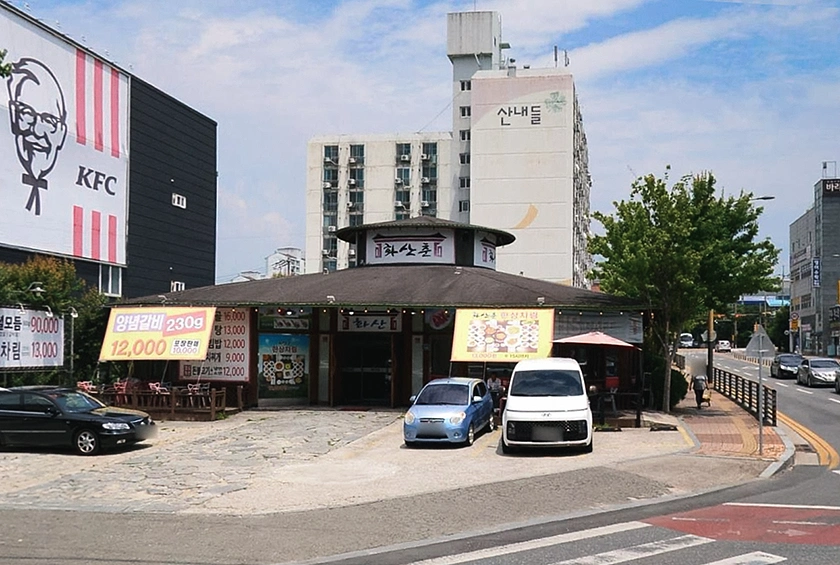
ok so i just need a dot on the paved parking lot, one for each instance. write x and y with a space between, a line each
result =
291 460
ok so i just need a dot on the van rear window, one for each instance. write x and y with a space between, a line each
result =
546 383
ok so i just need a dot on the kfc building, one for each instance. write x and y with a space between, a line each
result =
101 168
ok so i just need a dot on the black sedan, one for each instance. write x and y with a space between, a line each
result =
785 365
49 416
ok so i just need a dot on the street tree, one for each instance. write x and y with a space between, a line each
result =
682 250
5 68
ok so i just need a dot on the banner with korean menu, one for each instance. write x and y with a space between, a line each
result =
502 334
228 351
157 333
30 339
283 365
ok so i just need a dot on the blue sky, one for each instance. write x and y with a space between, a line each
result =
749 90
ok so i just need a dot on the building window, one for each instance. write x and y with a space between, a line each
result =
330 201
465 135
110 280
429 151
176 286
463 205
464 158
466 85
331 177
428 195
466 111
430 172
357 179
331 154
356 219
402 196
464 182
357 154
404 175
179 200
403 152
401 215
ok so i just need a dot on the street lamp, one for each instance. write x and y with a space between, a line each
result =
73 315
711 324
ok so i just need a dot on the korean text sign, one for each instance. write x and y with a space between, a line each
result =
157 333
228 352
30 339
502 335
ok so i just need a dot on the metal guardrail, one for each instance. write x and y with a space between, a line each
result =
745 392
679 361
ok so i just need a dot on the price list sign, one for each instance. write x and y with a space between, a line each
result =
30 339
150 334
228 351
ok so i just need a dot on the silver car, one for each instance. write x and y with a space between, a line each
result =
818 371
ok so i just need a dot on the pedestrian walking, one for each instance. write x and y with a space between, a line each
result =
699 385
494 385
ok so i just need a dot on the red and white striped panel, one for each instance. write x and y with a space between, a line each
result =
94 235
100 95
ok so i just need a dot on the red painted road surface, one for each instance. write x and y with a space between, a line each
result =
809 525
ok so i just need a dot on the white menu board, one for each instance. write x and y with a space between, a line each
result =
228 353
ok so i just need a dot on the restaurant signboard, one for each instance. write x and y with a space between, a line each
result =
506 335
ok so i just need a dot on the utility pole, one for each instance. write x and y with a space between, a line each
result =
710 334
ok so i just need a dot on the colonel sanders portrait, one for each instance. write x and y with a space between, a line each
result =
39 123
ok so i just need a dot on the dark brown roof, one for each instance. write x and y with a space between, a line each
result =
396 286
349 233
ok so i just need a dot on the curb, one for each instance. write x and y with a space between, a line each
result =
786 460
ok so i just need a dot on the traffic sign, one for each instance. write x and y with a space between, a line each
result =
705 335
760 344
794 315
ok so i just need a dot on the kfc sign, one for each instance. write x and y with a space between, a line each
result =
63 142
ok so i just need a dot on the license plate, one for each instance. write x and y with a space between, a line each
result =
546 433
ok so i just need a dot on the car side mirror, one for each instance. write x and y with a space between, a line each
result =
412 398
476 399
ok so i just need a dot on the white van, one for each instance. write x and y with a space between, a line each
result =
686 340
547 406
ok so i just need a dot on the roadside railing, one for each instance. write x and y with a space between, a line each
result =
745 392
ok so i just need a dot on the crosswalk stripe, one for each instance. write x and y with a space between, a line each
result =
641 551
533 544
754 558
771 505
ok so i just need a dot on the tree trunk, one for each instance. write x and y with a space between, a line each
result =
669 356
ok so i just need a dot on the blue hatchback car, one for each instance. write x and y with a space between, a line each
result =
449 410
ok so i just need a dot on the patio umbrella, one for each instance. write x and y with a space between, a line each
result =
594 338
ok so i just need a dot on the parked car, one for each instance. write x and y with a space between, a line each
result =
686 340
785 365
818 371
547 406
723 346
451 410
49 416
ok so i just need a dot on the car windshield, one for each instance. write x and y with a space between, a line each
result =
74 401
548 382
825 364
450 394
790 359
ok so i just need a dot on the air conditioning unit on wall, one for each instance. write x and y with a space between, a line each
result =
424 204
405 158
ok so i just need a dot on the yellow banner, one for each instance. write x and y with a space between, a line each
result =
502 335
155 333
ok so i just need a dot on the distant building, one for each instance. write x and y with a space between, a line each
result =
815 272
284 262
517 158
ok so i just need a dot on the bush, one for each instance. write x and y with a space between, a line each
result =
654 366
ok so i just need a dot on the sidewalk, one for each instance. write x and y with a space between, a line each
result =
725 429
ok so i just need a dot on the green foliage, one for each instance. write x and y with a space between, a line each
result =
654 366
681 251
777 326
64 293
5 68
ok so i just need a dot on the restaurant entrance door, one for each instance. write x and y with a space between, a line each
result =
365 362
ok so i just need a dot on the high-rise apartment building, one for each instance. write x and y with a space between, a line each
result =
516 159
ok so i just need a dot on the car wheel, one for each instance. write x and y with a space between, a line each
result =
410 444
506 449
491 424
809 383
86 442
470 439
836 389
588 447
